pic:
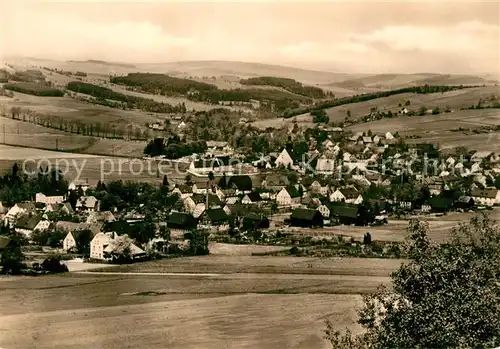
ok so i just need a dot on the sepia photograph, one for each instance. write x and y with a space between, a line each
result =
249 174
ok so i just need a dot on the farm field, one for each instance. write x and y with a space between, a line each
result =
481 142
437 128
267 264
26 134
454 99
71 109
21 133
249 304
91 168
436 124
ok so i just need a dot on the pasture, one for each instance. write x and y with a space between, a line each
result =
454 99
70 109
432 124
92 168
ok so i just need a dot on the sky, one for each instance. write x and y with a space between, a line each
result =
339 36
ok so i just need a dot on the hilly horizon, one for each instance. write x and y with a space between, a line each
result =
228 74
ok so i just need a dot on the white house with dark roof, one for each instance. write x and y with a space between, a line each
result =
87 203
18 209
288 196
486 197
69 242
99 244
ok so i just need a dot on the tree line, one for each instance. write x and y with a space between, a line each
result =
97 129
174 147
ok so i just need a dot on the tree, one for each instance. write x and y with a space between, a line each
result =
83 239
435 111
198 243
165 182
447 296
422 110
320 116
12 257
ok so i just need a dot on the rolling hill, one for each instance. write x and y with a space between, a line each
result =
394 81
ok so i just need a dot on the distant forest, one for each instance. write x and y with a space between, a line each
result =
102 94
199 91
34 89
290 85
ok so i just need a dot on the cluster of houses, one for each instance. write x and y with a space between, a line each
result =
26 218
277 190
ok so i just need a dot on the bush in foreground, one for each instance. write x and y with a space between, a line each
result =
448 296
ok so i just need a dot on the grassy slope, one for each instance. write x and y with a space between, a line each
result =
455 99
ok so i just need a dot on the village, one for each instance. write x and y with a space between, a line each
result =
355 179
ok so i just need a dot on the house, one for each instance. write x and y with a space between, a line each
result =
64 208
99 244
79 185
201 187
204 166
87 203
180 223
440 204
48 200
486 197
325 166
284 159
389 135
275 182
182 125
345 214
217 217
28 223
240 184
347 195
183 190
306 218
317 188
253 221
367 140
69 242
376 139
117 247
288 196
100 217
327 144
325 211
17 210
361 180
485 156
251 198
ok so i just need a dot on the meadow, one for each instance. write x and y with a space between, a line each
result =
454 99
71 109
